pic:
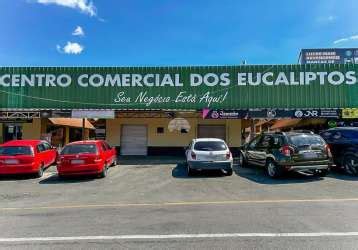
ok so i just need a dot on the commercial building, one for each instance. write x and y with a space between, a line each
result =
156 110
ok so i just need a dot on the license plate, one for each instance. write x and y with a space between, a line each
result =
11 161
310 155
77 161
219 158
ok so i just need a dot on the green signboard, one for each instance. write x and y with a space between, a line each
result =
182 88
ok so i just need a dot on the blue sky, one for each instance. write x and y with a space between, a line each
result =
170 32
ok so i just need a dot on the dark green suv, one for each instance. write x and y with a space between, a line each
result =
281 152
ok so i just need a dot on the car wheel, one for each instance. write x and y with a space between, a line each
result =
350 164
115 163
40 172
104 171
191 172
228 172
272 169
321 173
61 176
242 160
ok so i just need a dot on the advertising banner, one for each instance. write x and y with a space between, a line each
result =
350 113
180 88
270 113
329 55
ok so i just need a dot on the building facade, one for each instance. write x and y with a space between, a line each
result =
159 110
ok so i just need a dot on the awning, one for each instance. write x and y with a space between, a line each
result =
263 122
71 122
284 123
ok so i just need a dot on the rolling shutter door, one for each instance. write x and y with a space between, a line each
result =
212 131
134 140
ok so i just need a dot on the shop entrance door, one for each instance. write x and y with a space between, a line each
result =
12 132
212 131
134 140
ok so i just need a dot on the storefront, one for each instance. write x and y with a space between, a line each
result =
156 110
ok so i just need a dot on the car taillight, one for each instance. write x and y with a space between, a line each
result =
328 150
193 155
59 159
286 150
228 155
97 158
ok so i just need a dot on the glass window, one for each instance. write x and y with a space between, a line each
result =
40 148
326 134
107 145
160 130
210 146
253 143
47 146
305 140
337 135
79 149
265 141
16 150
277 141
350 134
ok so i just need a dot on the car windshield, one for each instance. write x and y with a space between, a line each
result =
350 134
79 149
16 150
305 140
210 146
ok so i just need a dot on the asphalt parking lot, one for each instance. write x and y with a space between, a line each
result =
143 199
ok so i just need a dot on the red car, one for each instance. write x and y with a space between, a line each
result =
26 157
86 158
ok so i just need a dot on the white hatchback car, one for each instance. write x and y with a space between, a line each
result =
208 153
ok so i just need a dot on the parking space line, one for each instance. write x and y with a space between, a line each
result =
177 236
189 203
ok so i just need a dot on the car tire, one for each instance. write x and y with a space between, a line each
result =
104 171
61 176
191 172
350 164
273 170
40 172
321 173
242 161
115 163
228 172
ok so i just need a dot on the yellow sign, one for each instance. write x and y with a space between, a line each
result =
350 113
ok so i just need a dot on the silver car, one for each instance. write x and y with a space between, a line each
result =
208 153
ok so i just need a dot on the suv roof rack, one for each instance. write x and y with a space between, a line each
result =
274 133
304 131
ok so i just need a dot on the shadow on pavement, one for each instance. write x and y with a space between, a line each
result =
18 177
181 172
341 175
55 179
149 160
258 175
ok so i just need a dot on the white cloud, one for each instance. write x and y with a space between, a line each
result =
326 19
346 39
331 18
84 6
70 48
78 31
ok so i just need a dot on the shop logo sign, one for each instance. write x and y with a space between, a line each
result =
271 113
215 115
306 113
